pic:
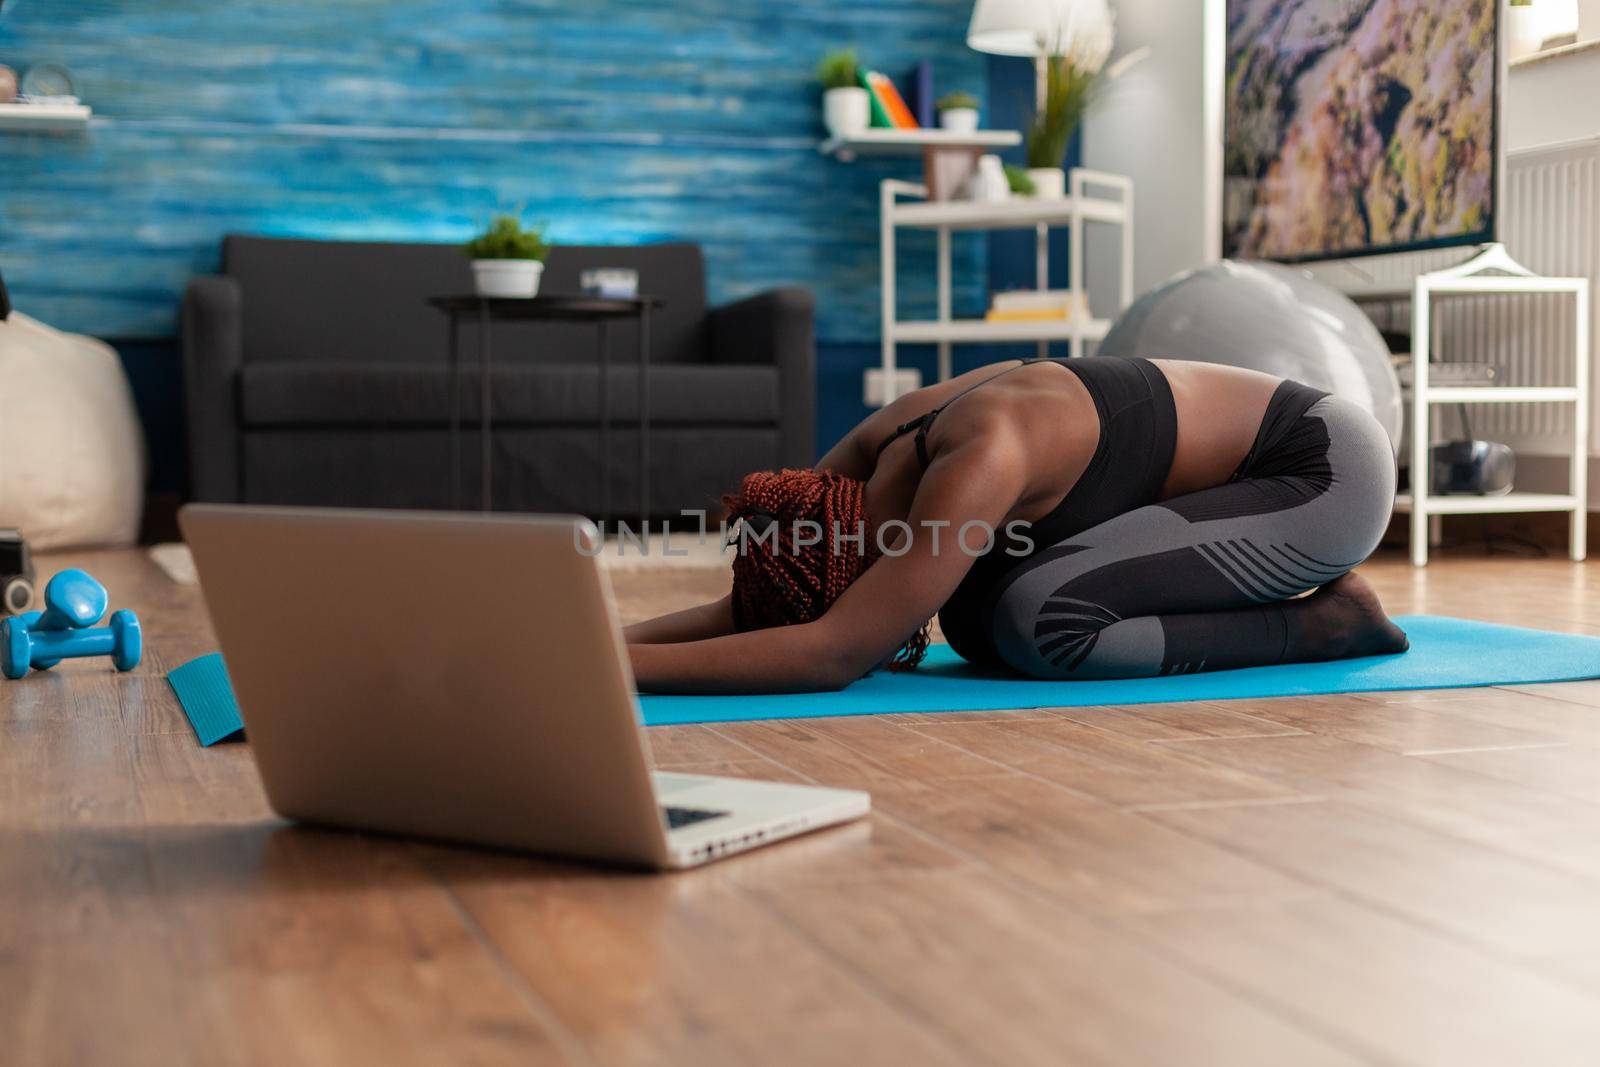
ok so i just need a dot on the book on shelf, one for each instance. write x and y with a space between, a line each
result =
1028 315
888 107
1036 305
919 94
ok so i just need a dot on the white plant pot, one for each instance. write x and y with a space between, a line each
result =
846 111
1557 18
1524 31
517 278
1049 183
959 119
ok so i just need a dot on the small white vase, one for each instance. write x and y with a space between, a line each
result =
1524 31
989 184
846 111
959 119
513 278
1049 183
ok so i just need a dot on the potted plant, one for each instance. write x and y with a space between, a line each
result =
958 112
1524 30
507 258
1069 85
846 108
1018 181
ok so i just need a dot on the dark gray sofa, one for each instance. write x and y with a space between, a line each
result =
315 373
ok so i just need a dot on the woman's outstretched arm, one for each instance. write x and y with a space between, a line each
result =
716 618
978 481
691 624
848 457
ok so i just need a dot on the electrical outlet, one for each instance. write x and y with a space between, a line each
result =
873 391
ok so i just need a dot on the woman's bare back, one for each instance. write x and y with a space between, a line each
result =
1047 407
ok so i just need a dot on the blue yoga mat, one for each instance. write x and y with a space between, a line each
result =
206 695
1445 654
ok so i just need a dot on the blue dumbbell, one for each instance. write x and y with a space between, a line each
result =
21 648
73 600
73 603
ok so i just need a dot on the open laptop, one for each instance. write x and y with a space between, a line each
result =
462 678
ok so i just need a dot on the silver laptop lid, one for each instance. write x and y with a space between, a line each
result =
451 676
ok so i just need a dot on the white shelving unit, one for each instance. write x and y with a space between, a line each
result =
40 118
904 205
979 331
876 141
1471 278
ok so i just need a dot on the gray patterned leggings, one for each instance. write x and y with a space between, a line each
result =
1196 583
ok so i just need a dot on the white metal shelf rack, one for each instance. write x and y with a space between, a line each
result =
1474 277
885 142
904 205
42 118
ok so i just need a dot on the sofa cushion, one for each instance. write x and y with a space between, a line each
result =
536 468
345 394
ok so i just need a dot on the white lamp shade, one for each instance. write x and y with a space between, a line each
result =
1035 27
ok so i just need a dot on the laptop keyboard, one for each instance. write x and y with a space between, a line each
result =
678 817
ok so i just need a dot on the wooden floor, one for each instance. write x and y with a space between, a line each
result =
1402 878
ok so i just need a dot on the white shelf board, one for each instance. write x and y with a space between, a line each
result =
1501 394
1481 283
1504 283
1017 213
887 142
1377 291
31 117
1576 48
1491 505
979 331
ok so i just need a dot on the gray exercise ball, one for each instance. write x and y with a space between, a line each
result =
1265 317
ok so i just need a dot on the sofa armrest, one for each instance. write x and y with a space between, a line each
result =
777 327
213 352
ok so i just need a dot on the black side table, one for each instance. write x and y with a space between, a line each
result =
599 310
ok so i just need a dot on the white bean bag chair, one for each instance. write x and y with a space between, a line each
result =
72 460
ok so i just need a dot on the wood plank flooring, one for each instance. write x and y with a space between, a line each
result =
1389 878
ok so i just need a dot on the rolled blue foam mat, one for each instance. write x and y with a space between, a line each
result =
1445 654
206 695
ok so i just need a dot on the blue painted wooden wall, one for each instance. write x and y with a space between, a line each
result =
615 120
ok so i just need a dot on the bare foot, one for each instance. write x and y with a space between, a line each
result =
1342 620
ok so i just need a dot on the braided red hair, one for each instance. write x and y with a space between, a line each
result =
778 581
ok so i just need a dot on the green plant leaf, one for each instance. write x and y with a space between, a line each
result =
838 69
507 238
1069 90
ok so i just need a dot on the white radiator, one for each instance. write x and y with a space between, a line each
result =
1550 223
